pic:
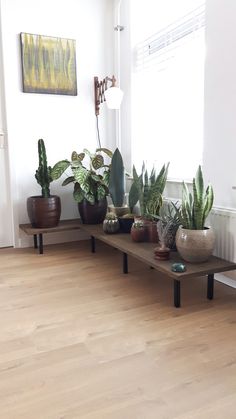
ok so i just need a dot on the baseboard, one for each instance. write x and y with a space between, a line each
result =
226 280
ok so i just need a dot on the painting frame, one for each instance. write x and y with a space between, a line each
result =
48 64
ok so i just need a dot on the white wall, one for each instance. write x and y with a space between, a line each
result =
220 100
66 123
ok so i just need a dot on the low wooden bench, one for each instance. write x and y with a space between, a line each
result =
145 253
64 225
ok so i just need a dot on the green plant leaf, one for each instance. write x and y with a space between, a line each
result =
97 161
78 194
106 151
59 168
68 180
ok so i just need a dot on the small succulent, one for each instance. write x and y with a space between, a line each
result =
111 216
138 224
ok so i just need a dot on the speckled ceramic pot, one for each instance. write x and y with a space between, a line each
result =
195 246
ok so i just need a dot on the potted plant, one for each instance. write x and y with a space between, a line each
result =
117 185
168 221
111 223
147 190
44 211
195 241
138 231
90 182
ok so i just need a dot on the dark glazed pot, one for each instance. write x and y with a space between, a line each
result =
126 224
93 214
44 212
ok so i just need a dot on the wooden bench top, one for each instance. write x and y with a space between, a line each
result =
64 225
145 253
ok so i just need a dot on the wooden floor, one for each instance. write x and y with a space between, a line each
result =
81 340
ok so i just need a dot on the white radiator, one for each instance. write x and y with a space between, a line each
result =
223 221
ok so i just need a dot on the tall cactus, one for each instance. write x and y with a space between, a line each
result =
43 173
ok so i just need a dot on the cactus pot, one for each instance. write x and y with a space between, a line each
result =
44 212
138 234
93 214
195 246
111 226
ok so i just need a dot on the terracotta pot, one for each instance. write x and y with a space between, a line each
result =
151 229
195 246
93 214
162 253
138 234
44 212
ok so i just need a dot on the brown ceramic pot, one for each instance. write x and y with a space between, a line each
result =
138 234
93 214
44 212
151 228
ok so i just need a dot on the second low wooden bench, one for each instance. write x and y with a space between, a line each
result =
37 233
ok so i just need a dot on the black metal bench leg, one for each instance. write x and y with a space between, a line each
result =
35 241
176 293
40 243
210 286
125 263
93 244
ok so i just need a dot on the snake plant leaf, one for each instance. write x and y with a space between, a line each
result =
117 179
208 201
68 180
97 161
59 168
133 196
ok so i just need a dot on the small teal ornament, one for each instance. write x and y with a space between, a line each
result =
178 267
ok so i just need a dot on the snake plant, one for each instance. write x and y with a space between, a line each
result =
117 179
148 190
196 206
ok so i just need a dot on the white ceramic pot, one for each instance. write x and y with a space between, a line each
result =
195 246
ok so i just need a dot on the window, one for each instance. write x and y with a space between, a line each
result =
168 85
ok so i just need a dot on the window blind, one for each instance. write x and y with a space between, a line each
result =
157 49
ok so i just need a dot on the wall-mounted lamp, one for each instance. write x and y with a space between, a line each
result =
111 95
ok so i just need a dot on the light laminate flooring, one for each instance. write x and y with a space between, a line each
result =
81 340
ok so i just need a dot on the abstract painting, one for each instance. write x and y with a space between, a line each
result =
48 64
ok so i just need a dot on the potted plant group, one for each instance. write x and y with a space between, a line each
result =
90 181
44 211
194 240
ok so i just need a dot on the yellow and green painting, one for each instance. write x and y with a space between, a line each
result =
48 64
